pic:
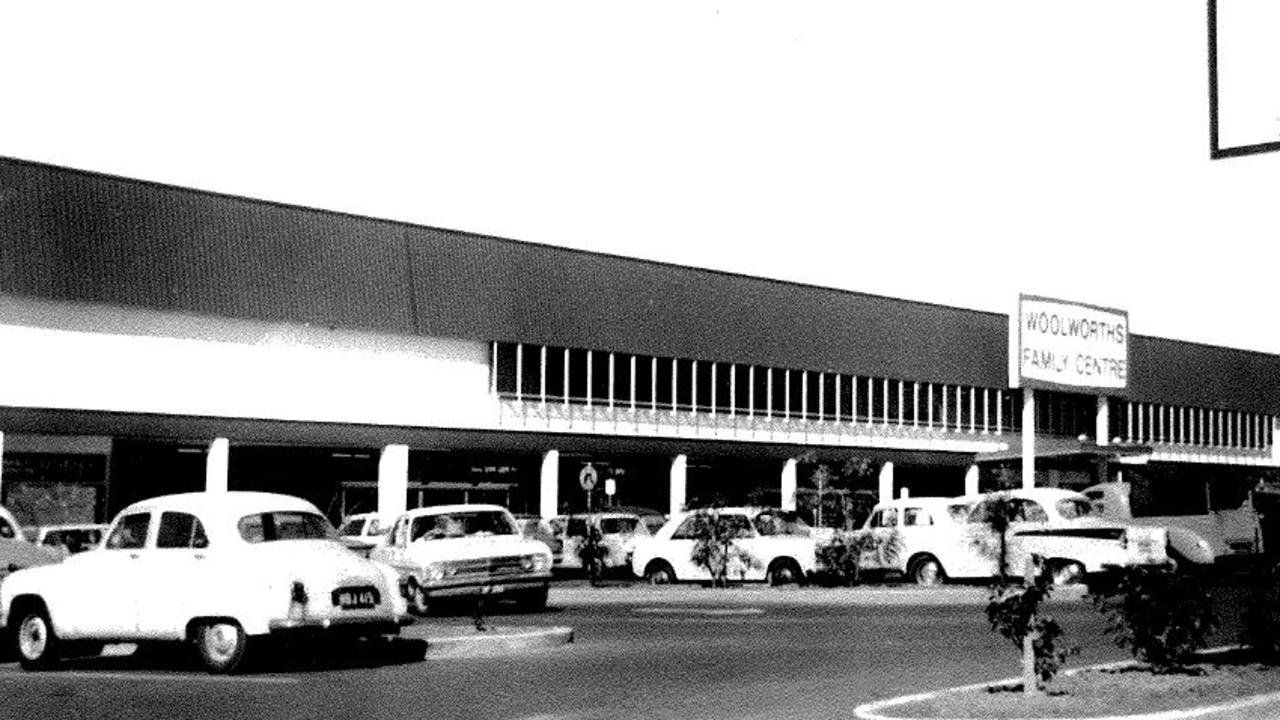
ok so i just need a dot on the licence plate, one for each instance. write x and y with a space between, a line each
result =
356 598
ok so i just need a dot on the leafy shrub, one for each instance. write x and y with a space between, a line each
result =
1262 614
1014 612
1163 617
714 548
838 557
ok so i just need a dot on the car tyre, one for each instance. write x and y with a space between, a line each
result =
659 572
926 571
36 643
221 645
784 571
419 601
535 600
1068 572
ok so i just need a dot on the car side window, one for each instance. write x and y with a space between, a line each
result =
887 517
1029 511
916 517
130 532
685 531
181 530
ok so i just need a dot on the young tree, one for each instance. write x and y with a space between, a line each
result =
714 548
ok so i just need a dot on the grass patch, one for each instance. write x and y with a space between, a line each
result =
1211 679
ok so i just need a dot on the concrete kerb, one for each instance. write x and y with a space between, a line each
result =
788 596
456 641
872 710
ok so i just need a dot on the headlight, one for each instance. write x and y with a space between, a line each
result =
541 562
433 572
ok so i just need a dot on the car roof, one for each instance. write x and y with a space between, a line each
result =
442 509
928 501
234 502
1042 494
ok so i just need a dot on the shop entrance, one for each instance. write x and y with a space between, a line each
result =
335 480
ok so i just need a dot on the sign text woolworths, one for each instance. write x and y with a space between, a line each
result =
1069 345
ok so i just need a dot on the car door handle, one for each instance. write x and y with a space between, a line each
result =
134 556
199 556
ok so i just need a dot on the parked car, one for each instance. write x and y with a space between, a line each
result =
465 550
16 552
361 531
618 531
221 570
778 546
1199 538
652 519
932 539
69 539
534 527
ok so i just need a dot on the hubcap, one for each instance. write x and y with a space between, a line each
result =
221 640
928 573
33 637
659 577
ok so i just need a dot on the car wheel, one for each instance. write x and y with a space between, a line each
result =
221 644
659 573
927 571
419 602
1068 573
36 643
783 571
535 600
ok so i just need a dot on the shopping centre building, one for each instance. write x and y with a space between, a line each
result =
158 339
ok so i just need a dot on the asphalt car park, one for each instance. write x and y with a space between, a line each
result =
639 652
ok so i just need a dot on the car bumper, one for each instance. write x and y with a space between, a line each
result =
379 625
477 586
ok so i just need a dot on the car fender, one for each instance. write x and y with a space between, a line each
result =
1190 545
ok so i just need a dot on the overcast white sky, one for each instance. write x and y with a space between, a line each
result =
951 151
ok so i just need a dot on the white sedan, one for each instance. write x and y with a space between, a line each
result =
931 539
221 570
465 550
771 545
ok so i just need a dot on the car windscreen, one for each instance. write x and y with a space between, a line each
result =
1073 508
352 526
284 525
463 523
618 525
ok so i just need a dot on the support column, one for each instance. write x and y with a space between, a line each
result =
679 480
789 485
1102 426
1 464
1028 438
216 462
549 485
971 480
393 480
886 482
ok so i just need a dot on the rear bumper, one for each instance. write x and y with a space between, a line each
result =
376 625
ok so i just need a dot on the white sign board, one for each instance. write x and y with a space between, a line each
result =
1244 76
1064 345
610 487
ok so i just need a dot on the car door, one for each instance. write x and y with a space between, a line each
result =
883 550
180 580
678 549
104 603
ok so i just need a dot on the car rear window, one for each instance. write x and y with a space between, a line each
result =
617 526
284 525
1072 508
